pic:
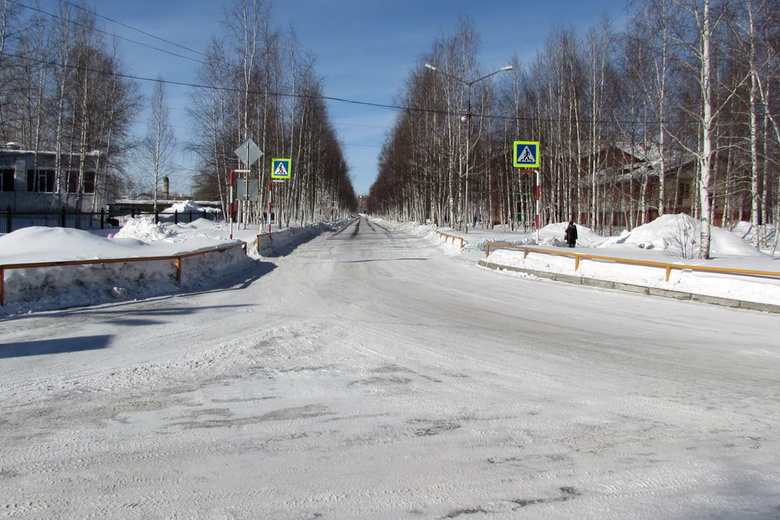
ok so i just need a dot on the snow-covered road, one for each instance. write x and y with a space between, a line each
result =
369 375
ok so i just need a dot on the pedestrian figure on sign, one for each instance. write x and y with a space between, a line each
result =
571 234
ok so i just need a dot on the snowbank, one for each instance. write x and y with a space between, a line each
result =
668 239
144 229
59 287
188 206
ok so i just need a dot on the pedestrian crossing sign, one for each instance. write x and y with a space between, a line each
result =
526 154
281 168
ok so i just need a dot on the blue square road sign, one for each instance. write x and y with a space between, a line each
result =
526 154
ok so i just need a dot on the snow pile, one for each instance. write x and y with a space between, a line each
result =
188 206
281 243
427 231
45 244
144 229
55 287
747 232
678 236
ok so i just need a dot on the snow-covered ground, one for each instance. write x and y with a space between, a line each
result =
364 374
672 238
61 287
669 239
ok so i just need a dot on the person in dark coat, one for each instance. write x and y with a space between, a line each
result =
571 234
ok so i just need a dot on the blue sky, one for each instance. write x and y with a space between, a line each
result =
364 49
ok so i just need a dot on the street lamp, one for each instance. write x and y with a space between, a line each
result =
468 121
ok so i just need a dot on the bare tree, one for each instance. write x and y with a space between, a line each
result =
159 144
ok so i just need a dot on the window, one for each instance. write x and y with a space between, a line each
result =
684 194
41 181
685 190
7 179
73 181
88 181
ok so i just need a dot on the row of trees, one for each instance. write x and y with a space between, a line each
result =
61 89
259 85
676 113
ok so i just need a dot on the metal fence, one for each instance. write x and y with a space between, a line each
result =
185 217
13 220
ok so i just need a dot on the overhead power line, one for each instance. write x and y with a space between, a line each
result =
169 42
234 89
123 38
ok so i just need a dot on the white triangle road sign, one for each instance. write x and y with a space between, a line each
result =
527 156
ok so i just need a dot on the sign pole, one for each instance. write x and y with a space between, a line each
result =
528 154
248 153
538 203
270 202
230 201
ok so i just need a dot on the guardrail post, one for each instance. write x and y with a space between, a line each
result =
177 262
576 262
668 272
2 283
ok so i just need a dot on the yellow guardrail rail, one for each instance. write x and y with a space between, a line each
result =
177 262
668 266
447 236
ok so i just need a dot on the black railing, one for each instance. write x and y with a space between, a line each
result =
13 220
185 217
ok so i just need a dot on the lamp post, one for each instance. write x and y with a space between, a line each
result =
468 124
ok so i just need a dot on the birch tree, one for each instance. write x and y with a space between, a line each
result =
159 144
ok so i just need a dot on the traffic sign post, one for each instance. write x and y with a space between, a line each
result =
538 203
527 155
281 169
248 153
231 202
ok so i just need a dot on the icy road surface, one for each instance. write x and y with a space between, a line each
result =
368 375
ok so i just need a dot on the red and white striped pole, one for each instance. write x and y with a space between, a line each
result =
270 201
230 201
538 203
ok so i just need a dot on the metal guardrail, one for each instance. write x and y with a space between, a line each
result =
177 261
447 236
668 266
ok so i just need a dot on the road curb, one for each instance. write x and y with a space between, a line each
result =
641 289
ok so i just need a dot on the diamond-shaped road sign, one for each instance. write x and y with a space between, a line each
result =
248 152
